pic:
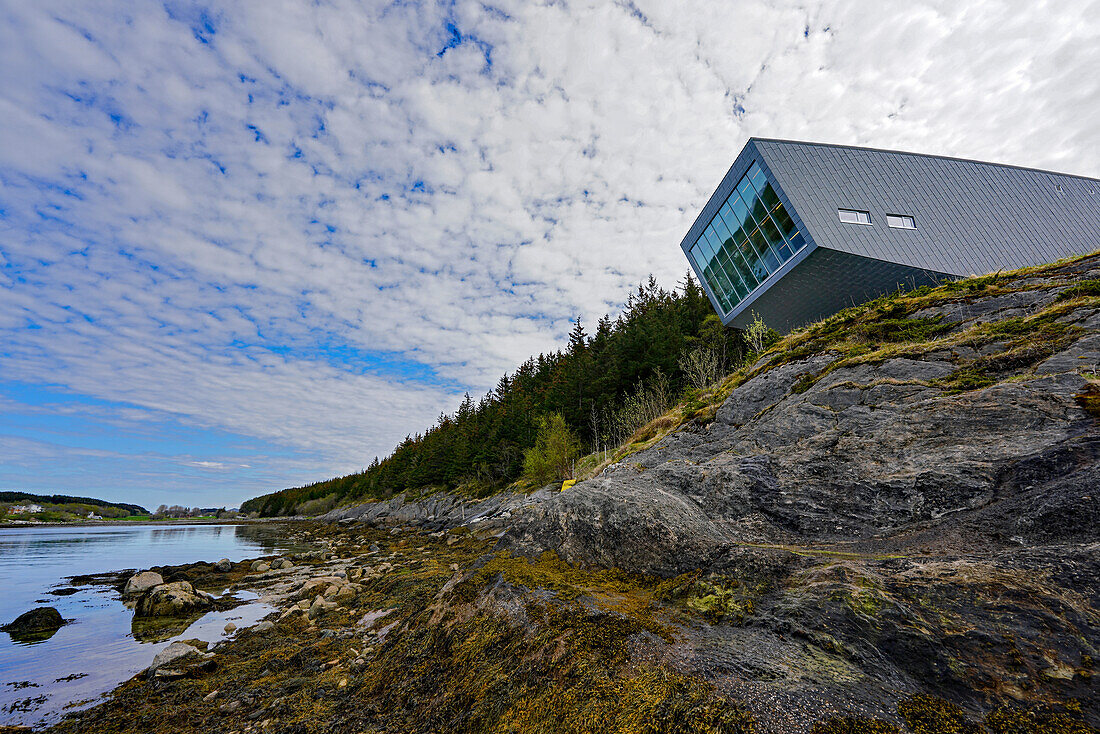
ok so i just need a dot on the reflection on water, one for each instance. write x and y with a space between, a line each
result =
99 648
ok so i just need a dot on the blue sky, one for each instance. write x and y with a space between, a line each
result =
248 245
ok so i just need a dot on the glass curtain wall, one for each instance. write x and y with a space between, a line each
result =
749 238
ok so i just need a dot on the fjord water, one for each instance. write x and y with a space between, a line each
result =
97 650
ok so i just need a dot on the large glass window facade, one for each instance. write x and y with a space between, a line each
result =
750 237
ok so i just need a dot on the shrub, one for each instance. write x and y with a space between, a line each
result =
556 448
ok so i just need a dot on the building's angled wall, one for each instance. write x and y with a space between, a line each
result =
740 167
826 282
971 217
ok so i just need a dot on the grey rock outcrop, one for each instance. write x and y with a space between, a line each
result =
177 660
139 583
177 599
811 452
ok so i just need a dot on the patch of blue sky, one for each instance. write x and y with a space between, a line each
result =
348 358
454 37
86 96
199 19
51 414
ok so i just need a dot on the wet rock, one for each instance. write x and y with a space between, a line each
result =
176 599
65 591
177 660
264 626
223 566
319 607
139 583
260 566
35 624
230 627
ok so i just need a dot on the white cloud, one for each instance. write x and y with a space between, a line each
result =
208 229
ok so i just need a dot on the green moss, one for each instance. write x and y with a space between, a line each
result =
1081 289
931 715
718 599
1039 720
897 330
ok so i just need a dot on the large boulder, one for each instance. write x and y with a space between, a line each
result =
139 583
40 622
177 599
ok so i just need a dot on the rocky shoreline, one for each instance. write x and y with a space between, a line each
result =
888 524
321 598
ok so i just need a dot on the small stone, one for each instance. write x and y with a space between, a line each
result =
230 627
223 566
210 696
264 626
343 682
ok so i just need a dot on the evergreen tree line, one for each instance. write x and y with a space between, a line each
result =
603 385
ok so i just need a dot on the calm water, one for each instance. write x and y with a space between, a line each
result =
98 650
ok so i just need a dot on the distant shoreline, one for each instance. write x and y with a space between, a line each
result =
128 523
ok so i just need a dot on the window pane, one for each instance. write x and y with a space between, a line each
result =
724 302
745 258
759 180
771 232
710 246
769 197
721 231
767 257
900 221
697 256
740 213
753 267
784 222
797 242
724 286
708 275
854 216
739 289
731 255
722 268
746 191
759 211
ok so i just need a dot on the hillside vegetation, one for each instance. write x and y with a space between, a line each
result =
604 386
62 507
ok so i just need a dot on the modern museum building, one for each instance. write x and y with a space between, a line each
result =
798 231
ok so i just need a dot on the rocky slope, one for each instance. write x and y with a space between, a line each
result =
907 495
888 523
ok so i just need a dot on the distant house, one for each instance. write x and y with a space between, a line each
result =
24 509
93 516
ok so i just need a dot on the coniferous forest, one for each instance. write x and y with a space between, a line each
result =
604 384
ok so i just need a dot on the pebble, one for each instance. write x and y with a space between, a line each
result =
230 627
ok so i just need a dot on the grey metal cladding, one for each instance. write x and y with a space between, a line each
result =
972 217
826 282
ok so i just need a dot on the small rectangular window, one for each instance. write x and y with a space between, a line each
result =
854 216
900 221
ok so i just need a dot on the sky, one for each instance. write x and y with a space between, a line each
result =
253 244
